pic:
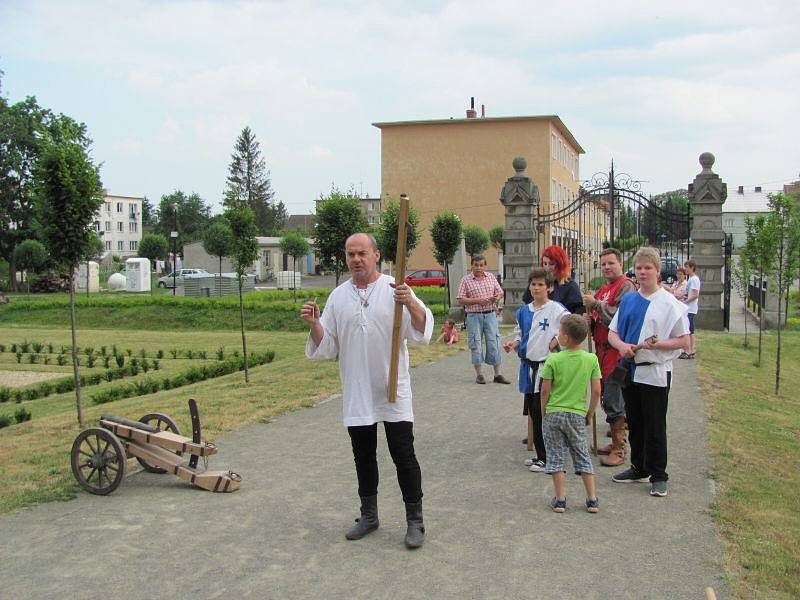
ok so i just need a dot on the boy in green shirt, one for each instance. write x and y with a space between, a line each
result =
565 377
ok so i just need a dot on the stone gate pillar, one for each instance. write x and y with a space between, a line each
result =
520 197
706 195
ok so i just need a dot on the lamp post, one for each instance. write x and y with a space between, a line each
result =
174 236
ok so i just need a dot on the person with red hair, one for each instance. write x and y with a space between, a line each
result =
565 290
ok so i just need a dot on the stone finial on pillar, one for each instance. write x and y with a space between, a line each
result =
706 195
520 197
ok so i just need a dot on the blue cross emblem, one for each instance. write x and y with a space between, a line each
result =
543 324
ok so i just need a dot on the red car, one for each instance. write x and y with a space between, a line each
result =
426 277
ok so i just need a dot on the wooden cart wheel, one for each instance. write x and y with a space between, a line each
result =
98 461
164 423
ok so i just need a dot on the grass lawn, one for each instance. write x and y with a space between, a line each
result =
755 444
34 456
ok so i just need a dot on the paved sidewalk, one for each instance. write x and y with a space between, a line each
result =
491 533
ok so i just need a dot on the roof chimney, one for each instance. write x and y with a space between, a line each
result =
471 112
758 189
741 189
483 111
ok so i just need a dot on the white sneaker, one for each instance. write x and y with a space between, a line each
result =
537 466
529 461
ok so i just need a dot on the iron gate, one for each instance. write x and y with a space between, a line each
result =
611 210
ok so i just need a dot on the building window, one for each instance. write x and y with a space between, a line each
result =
133 227
120 245
108 206
134 245
553 190
728 222
97 226
108 244
119 207
120 226
553 146
108 226
265 257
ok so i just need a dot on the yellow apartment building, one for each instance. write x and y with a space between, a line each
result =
462 164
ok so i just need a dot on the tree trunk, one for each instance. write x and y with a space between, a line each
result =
244 341
761 298
294 279
446 286
219 285
75 346
780 297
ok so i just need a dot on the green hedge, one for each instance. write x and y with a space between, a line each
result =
186 377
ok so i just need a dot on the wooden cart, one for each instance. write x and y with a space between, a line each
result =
99 454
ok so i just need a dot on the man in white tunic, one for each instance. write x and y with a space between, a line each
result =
356 328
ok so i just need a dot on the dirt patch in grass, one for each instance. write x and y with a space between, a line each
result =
15 379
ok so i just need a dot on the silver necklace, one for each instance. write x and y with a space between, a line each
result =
362 297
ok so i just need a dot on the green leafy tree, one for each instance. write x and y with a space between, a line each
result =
218 241
784 224
249 184
188 215
446 234
32 256
476 240
760 248
154 247
25 130
68 194
496 237
338 217
295 245
387 231
244 251
149 216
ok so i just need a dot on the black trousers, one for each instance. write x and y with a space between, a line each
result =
646 412
534 404
400 439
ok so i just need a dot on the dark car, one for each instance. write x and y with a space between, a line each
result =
669 270
426 277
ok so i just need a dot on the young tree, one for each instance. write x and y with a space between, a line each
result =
741 273
154 247
476 240
30 255
295 245
149 216
244 251
69 194
338 217
218 241
249 183
25 130
496 237
446 234
760 249
387 232
784 224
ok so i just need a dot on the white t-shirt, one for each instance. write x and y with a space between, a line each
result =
640 318
693 284
358 331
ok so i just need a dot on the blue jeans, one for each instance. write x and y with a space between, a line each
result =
483 325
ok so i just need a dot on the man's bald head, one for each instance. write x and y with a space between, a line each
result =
368 236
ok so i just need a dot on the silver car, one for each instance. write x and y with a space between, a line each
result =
180 275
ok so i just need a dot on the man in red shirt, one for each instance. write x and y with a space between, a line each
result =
600 309
478 293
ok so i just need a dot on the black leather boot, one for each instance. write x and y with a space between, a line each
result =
415 533
368 522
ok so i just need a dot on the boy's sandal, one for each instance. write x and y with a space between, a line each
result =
684 355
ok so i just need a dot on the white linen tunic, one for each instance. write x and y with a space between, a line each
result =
360 336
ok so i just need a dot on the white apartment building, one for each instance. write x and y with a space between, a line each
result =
119 224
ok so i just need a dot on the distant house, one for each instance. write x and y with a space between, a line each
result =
270 259
740 205
304 223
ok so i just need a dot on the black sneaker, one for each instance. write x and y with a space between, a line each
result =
630 476
558 505
658 488
592 505
537 466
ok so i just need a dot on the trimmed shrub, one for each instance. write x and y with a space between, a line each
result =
22 415
90 360
61 360
156 365
145 365
174 352
25 346
221 353
5 421
120 360
19 357
47 359
50 348
190 354
160 354
5 394
37 347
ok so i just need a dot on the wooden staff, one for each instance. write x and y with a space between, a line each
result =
399 275
589 342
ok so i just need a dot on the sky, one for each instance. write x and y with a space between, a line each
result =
165 87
